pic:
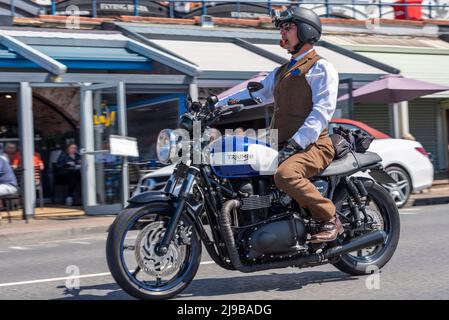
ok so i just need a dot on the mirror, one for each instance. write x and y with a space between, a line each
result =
211 101
254 86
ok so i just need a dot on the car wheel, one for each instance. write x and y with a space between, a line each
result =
401 190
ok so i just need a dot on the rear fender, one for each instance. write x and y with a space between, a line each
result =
380 176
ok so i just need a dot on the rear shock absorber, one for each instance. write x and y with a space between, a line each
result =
362 190
354 193
361 187
357 190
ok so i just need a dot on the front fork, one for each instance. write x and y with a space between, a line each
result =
186 187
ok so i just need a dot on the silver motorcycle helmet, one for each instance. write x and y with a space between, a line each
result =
307 21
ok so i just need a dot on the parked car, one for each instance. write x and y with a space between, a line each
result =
406 161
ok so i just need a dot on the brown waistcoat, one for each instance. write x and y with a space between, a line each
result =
293 98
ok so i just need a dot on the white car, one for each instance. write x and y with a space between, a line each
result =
406 161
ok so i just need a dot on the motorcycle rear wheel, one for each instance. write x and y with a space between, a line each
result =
387 216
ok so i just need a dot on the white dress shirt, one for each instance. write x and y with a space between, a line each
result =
323 81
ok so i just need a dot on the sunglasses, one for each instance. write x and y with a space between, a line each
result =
285 27
280 17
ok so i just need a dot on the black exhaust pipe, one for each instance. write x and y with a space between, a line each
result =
364 241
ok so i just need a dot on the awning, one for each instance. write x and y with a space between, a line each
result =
425 59
346 66
80 58
22 8
60 52
235 53
425 67
218 56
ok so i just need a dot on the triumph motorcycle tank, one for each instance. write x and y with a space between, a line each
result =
242 157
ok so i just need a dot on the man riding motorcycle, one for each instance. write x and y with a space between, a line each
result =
305 98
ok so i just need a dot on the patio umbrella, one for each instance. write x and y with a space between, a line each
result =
392 89
395 90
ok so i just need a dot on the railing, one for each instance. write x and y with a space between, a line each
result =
435 8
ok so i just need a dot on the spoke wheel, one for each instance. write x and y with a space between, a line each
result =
132 258
383 215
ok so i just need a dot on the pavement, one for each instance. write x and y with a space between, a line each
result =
438 194
54 227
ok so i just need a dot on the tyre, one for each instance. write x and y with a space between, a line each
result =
401 190
384 215
131 257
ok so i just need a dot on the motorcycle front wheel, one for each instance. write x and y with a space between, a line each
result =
131 257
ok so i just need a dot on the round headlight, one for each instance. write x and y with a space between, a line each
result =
166 145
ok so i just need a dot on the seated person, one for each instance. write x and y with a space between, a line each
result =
10 151
8 182
37 161
69 164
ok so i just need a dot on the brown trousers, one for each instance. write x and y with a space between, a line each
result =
292 177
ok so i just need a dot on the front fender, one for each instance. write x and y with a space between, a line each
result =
148 197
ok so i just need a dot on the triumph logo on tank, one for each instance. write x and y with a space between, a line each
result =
232 158
239 156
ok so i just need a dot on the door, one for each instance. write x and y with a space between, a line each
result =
104 176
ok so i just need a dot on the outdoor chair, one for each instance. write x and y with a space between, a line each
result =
37 182
8 205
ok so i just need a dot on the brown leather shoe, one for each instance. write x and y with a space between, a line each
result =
329 231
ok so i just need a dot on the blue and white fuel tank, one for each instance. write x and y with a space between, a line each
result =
242 157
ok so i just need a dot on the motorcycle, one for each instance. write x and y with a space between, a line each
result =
244 222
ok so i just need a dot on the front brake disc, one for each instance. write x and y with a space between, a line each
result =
146 257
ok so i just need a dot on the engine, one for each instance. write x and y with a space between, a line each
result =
266 224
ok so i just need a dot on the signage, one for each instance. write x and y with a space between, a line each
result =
123 146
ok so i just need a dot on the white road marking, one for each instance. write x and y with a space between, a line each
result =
409 211
20 248
10 284
93 275
79 242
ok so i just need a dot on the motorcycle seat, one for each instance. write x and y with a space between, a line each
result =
350 163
